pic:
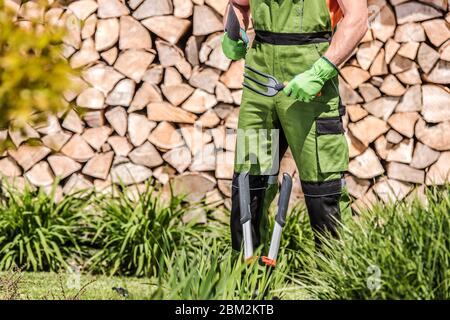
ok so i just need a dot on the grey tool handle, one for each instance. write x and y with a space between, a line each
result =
283 201
233 27
246 216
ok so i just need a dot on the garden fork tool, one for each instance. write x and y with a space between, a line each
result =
271 84
280 219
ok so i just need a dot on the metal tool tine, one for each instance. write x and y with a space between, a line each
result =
267 76
269 85
269 93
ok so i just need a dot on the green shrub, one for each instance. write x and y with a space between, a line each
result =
212 273
38 234
401 251
133 236
33 72
297 240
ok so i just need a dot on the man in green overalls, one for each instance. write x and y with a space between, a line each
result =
297 42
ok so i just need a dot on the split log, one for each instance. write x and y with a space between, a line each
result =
83 9
415 12
439 173
151 8
120 145
404 122
101 77
436 137
40 175
436 104
366 166
194 185
9 168
179 158
98 166
78 149
77 183
165 136
204 159
424 156
158 25
382 147
401 152
206 21
411 100
63 166
368 129
96 137
166 112
133 63
122 94
146 155
389 190
382 107
437 31
27 156
139 128
107 34
111 9
129 173
118 119
404 172
133 35
393 137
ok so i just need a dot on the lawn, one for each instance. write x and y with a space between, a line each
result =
60 286
66 286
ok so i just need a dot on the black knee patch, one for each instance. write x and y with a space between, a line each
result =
322 201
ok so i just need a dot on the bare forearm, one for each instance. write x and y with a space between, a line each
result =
350 31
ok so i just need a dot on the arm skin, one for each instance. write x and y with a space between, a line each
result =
351 30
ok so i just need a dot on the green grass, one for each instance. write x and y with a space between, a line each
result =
397 251
134 236
54 286
401 251
38 234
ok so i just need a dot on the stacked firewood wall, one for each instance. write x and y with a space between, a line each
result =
156 98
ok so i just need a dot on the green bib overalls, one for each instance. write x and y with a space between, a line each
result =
290 36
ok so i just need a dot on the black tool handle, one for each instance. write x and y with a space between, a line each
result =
283 200
233 27
244 197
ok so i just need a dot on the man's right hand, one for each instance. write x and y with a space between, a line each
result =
235 49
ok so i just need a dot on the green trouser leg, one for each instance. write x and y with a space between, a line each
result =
314 131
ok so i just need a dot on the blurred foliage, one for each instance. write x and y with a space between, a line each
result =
33 72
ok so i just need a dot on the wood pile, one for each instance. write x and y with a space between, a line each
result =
157 98
396 89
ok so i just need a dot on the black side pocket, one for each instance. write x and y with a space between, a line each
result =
329 126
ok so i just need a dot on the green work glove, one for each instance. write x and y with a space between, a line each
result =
306 86
233 49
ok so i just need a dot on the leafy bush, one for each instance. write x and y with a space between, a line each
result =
38 234
134 236
400 251
213 273
297 241
33 72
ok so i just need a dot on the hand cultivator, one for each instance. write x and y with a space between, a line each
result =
280 219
